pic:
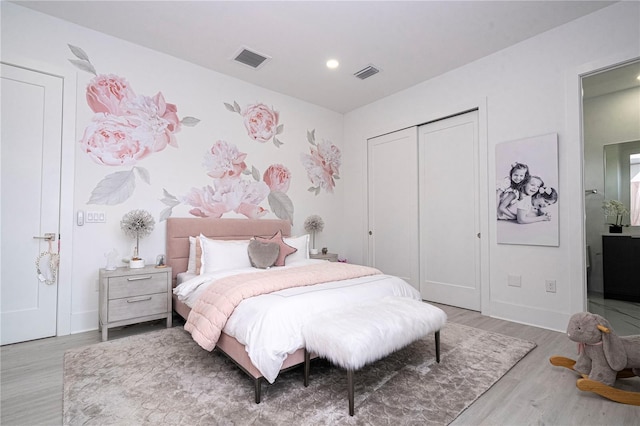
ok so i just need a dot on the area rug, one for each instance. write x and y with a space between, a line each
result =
165 378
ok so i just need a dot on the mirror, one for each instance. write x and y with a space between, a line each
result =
622 177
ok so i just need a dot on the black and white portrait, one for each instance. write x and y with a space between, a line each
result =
527 191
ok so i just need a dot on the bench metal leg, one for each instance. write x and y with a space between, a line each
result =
307 367
438 346
350 390
256 384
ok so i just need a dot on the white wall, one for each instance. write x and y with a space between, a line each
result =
37 41
608 119
530 89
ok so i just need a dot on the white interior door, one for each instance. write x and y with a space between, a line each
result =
393 204
450 212
30 181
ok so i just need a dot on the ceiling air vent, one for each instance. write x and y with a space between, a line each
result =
250 58
367 72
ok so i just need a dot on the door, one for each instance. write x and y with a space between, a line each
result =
449 211
393 204
30 182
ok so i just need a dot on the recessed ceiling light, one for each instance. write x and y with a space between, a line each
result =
638 77
332 64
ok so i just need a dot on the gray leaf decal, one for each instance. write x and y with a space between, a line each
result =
113 189
84 66
246 172
312 189
336 177
144 174
281 205
277 142
78 52
237 107
311 136
189 121
166 213
229 107
255 173
280 129
169 200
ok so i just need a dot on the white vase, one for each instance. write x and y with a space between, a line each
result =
313 251
136 264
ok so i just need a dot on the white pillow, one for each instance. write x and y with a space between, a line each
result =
218 255
302 244
191 266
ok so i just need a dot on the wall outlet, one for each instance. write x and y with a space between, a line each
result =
514 280
550 286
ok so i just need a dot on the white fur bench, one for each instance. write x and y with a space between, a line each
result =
369 331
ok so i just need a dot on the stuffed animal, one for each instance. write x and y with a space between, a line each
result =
601 352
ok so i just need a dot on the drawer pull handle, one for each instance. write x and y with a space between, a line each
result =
139 278
141 299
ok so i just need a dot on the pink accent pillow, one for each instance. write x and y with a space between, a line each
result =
285 249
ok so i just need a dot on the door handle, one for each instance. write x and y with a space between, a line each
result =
48 236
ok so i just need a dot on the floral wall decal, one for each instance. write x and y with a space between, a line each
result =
260 121
231 192
126 128
322 164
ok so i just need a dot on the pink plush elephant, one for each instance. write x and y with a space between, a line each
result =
601 352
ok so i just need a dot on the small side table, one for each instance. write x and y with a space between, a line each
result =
331 257
130 296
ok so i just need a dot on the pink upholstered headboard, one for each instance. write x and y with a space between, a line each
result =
179 229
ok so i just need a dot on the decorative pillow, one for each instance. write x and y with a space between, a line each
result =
285 249
218 255
263 255
191 266
301 244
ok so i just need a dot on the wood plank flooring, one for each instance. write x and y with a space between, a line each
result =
533 393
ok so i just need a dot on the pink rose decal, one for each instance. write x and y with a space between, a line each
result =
125 129
260 121
105 93
113 140
277 177
322 164
229 195
224 161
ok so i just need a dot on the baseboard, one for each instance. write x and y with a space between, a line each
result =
543 318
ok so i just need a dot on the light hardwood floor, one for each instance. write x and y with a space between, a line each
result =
533 393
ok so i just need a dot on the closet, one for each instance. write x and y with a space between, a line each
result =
423 208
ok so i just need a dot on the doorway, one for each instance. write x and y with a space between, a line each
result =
31 155
610 119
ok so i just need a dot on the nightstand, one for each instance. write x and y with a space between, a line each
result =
331 257
130 296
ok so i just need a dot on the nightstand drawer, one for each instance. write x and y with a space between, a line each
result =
137 306
135 285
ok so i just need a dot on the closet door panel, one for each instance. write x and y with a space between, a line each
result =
449 211
393 204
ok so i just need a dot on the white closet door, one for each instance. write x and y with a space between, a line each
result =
449 211
393 204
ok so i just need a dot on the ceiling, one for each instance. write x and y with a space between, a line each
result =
409 42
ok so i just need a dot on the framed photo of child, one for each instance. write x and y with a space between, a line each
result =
527 191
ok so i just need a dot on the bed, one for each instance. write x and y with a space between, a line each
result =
177 256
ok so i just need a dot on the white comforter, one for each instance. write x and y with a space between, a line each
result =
270 325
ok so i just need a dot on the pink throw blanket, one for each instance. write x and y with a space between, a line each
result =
216 304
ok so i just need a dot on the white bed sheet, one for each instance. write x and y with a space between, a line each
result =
270 325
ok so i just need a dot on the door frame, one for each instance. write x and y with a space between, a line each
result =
573 96
479 104
67 168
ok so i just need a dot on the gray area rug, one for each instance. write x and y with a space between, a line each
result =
164 378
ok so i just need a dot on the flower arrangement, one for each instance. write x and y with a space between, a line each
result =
614 208
313 224
137 224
